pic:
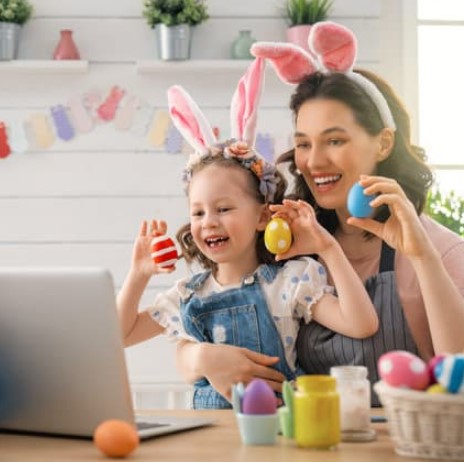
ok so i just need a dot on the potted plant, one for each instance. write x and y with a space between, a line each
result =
172 21
301 15
13 14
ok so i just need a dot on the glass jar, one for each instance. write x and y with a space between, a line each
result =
241 45
316 412
355 402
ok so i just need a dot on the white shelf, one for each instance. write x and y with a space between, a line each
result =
45 66
192 65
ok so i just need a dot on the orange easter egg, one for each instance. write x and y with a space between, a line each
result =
115 438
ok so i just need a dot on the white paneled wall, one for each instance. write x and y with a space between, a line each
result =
80 202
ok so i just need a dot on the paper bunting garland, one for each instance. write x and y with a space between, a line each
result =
5 149
82 113
64 129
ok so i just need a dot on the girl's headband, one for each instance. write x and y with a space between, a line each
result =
333 48
197 131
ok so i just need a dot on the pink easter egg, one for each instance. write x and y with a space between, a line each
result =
259 398
403 369
432 363
164 252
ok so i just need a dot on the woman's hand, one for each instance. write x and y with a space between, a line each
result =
403 230
226 365
142 261
309 237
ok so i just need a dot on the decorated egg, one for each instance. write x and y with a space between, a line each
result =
164 252
436 389
403 369
259 398
431 366
450 373
358 202
277 236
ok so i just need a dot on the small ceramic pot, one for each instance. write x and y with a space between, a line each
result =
258 429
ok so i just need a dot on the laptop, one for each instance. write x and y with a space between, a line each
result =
62 362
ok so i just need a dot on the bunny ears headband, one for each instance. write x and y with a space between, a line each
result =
195 128
333 49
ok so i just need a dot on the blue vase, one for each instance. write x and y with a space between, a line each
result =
241 45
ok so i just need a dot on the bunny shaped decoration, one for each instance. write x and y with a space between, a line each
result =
198 132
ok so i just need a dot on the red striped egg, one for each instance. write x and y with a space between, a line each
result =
164 252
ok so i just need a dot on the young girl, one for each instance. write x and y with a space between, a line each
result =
243 297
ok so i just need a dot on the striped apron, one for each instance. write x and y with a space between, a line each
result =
319 348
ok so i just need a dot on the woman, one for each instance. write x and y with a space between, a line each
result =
412 267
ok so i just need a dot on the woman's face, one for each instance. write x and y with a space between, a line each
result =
332 150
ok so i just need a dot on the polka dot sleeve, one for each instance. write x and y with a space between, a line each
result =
306 283
166 312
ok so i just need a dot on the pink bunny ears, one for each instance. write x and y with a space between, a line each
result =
195 128
333 48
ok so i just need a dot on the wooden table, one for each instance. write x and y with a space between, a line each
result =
220 442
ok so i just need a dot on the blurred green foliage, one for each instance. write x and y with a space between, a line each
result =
447 208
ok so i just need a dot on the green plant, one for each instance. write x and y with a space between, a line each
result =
307 11
174 12
15 11
447 209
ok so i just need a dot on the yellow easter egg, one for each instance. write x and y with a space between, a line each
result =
277 236
436 388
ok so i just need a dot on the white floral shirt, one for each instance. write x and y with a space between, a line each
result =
298 285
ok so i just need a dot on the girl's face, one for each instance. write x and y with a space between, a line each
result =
332 150
225 217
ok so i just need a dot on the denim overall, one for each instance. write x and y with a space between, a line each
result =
319 348
238 316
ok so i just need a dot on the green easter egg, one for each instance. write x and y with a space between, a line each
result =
277 236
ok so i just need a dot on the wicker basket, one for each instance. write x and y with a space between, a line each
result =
424 425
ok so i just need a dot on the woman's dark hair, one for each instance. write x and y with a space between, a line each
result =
190 251
406 162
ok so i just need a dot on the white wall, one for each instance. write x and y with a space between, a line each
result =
80 202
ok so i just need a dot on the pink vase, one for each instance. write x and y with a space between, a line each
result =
66 48
299 35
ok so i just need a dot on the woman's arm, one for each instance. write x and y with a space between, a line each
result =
225 365
444 305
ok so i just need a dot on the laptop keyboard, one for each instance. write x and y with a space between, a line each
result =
145 425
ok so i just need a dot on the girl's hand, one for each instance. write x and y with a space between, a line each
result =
142 261
309 236
403 230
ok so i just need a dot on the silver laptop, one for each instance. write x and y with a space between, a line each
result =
62 363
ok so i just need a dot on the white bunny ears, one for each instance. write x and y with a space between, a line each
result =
333 48
195 128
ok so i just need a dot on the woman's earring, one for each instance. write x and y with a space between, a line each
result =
297 172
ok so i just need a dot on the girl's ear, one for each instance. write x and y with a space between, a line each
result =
386 143
264 218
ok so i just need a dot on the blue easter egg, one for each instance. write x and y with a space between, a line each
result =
450 373
358 202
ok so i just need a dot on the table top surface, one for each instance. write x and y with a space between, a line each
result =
219 442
